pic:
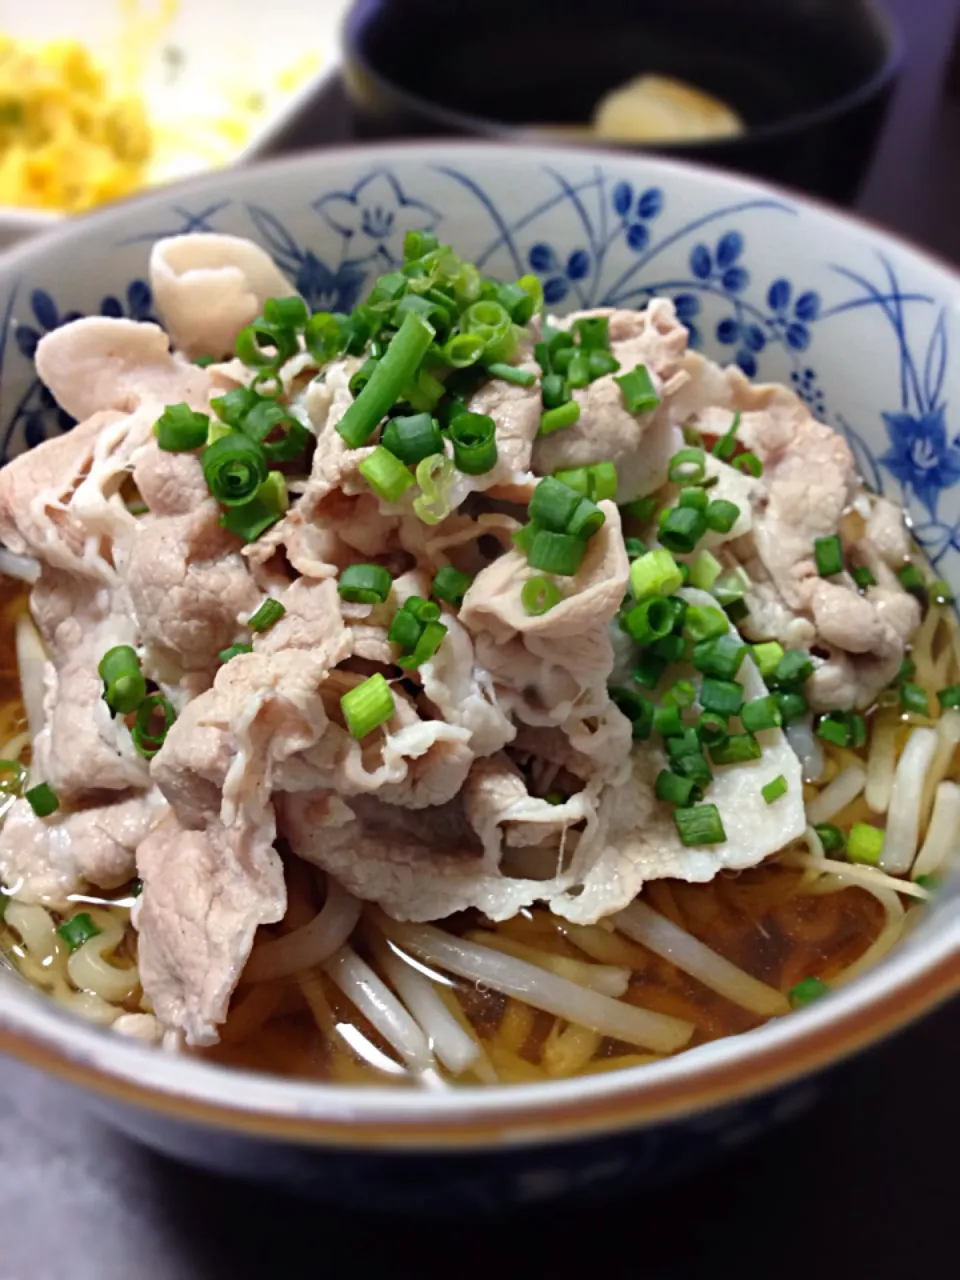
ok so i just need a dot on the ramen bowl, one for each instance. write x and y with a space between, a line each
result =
863 327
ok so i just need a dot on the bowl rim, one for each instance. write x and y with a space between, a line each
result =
354 60
911 981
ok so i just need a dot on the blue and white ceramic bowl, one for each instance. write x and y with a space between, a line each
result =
866 328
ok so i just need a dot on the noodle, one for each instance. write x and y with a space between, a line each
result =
881 763
609 980
90 971
309 945
869 877
948 739
834 797
568 1050
640 922
541 988
516 1025
903 817
889 935
943 833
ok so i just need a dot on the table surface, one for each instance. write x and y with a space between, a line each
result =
858 1188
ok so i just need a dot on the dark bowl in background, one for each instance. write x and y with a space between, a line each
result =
811 78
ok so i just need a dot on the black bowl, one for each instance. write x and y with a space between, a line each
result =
811 78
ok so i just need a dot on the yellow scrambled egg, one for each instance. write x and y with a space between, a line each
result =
66 142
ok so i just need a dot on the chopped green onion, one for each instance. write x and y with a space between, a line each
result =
492 322
578 479
254 518
422 610
723 697
523 538
269 613
720 656
634 548
450 585
234 468
706 569
642 509
831 837
42 799
179 429
673 789
323 336
586 520
261 345
474 439
737 749
286 313
681 529
539 595
863 578
767 656
828 553
722 515
124 686
385 474
555 797
364 584
911 579
12 777
234 406
908 669
736 611
688 467
913 698
204 362
702 622
146 738
806 991
655 573
949 696
405 630
639 394
413 438
78 930
649 670
794 668
233 651
700 824
281 437
726 446
637 709
417 244
604 481
865 844
667 721
694 765
553 504
712 728
578 372
694 497
682 693
761 713
508 373
559 553
367 706
834 728
434 475
649 619
672 647
600 363
593 332
749 463
426 646
792 706
562 359
553 392
731 586
463 350
940 592
564 415
686 743
392 374
930 882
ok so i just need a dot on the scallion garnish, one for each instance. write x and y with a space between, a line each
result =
639 393
323 336
262 345
737 749
865 844
723 697
792 705
911 579
712 728
722 515
642 509
687 467
700 824
395 370
234 468
226 654
649 620
286 313
681 528
649 670
42 799
761 713
655 573
474 439
180 428
600 363
509 373
266 508
706 569
553 504
794 668
412 439
78 930
559 553
703 622
564 415
667 720
720 656
367 706
828 554
364 584
913 698
593 332
674 789
831 837
726 446
539 595
270 612
450 585
806 991
749 463
767 656
385 474
147 737
124 686
949 696
427 645
553 392
682 693
637 709
694 496
12 777
863 577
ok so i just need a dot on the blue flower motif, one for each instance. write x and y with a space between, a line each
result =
139 300
792 322
805 384
688 308
376 213
544 261
327 290
635 215
751 338
919 455
720 266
